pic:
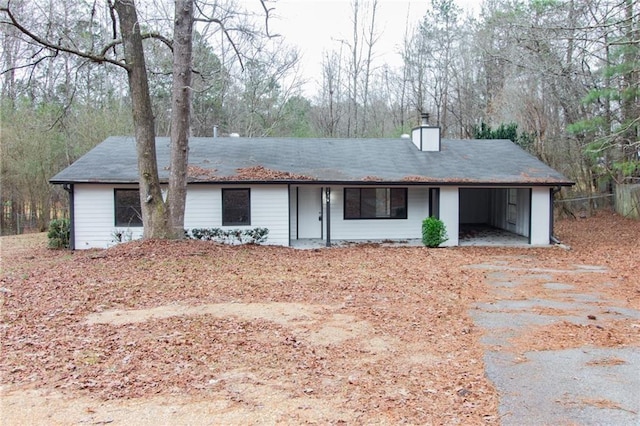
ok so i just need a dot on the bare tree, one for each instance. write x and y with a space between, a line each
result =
161 219
154 212
181 113
431 54
329 112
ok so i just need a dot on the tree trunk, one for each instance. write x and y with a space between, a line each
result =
180 113
154 214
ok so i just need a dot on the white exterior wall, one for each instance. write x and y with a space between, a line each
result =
269 209
364 229
500 210
449 205
94 221
293 217
94 212
203 208
474 205
426 138
540 215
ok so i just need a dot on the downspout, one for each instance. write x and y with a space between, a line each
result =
288 213
552 237
297 212
327 194
72 234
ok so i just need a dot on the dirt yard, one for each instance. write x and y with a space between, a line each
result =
196 333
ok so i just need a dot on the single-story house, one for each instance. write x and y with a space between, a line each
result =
323 189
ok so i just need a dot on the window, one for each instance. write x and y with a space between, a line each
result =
434 202
236 207
375 203
127 205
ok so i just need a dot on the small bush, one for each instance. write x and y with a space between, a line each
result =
434 232
207 234
257 235
59 234
231 236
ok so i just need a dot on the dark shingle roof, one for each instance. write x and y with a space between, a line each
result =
492 162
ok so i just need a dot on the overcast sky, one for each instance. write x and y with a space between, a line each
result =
316 25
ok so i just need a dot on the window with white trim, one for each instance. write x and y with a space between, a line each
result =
375 203
236 207
127 207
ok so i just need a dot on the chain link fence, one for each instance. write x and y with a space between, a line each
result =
583 205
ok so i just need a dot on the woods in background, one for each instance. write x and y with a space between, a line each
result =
562 75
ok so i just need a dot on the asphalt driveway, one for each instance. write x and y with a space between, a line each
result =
585 384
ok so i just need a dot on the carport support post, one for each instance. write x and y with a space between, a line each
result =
327 196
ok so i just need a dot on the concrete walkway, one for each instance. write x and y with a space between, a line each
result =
479 236
586 385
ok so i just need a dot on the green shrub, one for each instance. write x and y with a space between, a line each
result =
434 232
231 236
207 234
59 233
257 235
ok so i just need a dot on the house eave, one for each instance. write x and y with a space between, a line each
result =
327 182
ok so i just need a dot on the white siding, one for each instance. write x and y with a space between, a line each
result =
293 215
540 215
500 210
449 202
94 210
269 209
417 211
524 212
203 208
273 207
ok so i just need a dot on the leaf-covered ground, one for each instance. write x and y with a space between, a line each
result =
258 334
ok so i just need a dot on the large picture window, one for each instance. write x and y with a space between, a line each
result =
127 206
236 207
375 203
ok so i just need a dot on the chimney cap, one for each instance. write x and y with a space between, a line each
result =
425 118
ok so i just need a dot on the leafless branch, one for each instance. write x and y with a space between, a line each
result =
227 36
54 46
114 23
156 36
267 12
29 65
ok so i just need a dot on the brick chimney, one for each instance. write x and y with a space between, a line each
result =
425 137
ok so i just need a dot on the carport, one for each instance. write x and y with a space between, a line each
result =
494 215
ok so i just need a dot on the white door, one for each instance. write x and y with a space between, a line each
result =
309 212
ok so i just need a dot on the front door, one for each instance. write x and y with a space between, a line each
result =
309 212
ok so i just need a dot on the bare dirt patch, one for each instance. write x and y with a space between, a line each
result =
193 331
261 334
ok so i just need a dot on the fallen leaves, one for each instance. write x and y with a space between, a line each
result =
360 333
359 317
262 173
